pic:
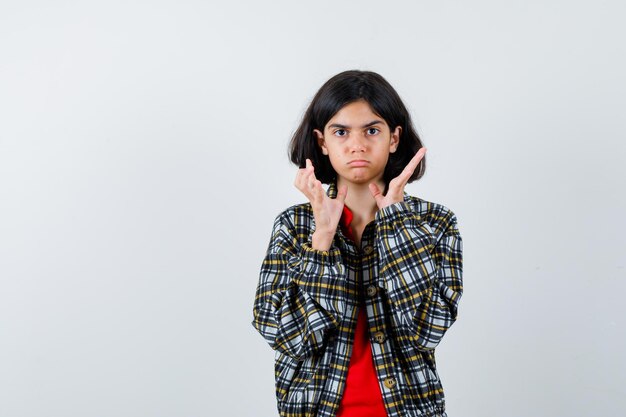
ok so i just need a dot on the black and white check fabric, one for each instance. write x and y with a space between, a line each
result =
408 271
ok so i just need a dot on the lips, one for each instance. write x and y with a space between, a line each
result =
358 163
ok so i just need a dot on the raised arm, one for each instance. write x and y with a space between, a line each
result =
422 269
301 292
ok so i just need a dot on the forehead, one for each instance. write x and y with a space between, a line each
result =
356 113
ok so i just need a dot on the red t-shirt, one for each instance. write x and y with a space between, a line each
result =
362 396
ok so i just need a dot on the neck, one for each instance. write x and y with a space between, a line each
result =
360 200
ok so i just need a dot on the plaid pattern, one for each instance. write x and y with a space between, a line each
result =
408 269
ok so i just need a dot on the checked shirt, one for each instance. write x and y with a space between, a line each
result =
408 271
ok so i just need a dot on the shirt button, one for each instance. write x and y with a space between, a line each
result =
371 290
379 337
368 249
390 382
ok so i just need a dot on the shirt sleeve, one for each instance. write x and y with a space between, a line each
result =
301 294
422 272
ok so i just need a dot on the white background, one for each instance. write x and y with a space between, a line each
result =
143 158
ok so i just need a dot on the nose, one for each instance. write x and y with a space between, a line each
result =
358 142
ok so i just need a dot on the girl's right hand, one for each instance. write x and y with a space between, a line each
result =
327 211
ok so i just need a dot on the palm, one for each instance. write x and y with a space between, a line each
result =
327 211
395 193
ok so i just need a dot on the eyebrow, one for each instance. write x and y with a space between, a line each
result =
372 123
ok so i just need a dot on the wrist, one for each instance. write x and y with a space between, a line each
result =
321 240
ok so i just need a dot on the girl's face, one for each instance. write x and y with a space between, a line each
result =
358 143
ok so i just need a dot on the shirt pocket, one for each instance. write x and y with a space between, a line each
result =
293 380
433 378
423 390
285 369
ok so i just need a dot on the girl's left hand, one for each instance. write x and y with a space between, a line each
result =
395 193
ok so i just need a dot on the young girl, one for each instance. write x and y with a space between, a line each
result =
359 285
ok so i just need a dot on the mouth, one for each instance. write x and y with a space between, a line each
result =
358 163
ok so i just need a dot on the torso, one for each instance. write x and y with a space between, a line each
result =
357 231
362 395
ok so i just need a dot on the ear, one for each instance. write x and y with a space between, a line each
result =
395 139
320 141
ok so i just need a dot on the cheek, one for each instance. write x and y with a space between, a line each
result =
335 149
334 159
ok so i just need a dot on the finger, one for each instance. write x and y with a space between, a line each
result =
311 168
313 184
318 190
397 184
306 173
303 171
378 195
415 161
300 175
310 182
311 189
342 193
409 169
302 179
314 191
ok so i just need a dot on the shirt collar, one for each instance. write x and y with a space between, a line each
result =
346 216
332 193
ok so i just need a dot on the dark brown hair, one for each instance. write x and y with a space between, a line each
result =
345 88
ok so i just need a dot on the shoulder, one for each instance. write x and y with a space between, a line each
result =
296 217
438 216
297 211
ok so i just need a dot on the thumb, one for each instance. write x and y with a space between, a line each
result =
341 194
378 195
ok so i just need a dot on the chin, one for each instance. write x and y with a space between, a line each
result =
360 180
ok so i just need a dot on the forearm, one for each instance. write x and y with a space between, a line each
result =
301 293
422 266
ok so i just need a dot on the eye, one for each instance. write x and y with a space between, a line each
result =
372 131
340 132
